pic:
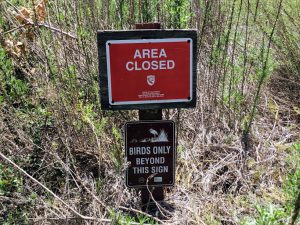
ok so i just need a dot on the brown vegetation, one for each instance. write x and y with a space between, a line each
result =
68 154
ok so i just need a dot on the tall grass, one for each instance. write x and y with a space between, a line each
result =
50 117
230 81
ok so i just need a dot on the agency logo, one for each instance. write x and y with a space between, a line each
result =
151 80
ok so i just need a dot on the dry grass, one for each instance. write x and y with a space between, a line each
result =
58 134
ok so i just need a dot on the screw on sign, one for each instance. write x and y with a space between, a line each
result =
150 149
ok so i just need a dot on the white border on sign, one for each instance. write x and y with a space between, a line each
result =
148 41
174 153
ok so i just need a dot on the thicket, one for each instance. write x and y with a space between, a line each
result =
232 149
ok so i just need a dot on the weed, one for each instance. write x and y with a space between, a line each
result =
11 185
271 214
9 181
52 116
122 219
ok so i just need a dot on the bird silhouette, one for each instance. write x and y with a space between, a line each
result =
154 132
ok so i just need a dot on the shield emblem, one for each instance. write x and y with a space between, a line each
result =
151 80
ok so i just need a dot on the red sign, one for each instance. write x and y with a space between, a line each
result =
149 71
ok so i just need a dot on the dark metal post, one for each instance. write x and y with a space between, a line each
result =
153 114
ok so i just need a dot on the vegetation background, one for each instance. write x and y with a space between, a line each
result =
62 157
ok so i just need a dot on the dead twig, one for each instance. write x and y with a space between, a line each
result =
28 23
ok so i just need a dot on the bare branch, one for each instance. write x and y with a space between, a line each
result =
46 188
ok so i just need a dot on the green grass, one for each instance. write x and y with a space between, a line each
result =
11 184
270 213
66 113
122 219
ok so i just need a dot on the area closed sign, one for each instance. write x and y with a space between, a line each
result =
145 71
153 70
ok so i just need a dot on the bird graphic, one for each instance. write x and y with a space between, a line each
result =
154 132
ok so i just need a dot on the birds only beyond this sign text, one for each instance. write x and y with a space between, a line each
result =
150 153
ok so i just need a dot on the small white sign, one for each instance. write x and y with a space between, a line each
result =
157 179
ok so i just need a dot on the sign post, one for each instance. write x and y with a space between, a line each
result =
148 69
156 114
151 154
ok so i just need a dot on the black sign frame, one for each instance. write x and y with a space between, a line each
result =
104 36
130 182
